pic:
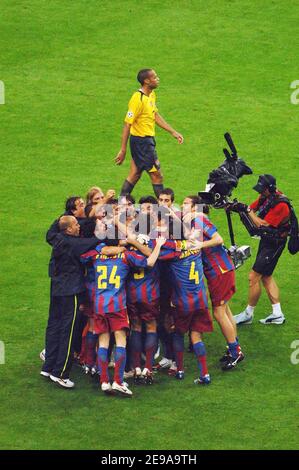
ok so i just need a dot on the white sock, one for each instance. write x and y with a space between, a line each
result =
250 310
277 310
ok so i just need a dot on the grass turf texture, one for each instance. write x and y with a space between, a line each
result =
69 70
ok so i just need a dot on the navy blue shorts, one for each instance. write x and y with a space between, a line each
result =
143 151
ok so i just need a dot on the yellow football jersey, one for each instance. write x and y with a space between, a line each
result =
141 114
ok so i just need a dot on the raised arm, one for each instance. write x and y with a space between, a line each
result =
156 251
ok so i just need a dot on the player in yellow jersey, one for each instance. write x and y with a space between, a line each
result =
140 123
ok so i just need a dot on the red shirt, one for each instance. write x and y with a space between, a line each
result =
276 215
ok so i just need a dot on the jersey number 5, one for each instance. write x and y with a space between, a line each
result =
139 274
103 276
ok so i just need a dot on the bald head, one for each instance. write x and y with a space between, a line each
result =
68 224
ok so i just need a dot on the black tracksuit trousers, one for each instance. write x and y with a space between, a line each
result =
61 333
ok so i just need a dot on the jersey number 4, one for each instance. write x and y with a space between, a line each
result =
193 274
103 277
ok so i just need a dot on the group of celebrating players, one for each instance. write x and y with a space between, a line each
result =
129 278
143 285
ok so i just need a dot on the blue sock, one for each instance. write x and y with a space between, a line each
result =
136 348
120 364
200 353
150 349
91 342
233 349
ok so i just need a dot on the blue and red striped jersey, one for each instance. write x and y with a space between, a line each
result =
216 260
188 288
144 283
111 273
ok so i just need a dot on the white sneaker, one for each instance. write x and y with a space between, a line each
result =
243 318
65 383
93 371
147 376
122 389
173 368
45 374
273 320
129 375
42 355
106 388
164 363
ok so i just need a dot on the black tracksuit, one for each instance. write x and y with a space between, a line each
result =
67 293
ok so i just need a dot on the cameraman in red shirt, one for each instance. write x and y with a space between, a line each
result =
270 211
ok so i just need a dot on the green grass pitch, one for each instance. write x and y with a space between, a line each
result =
69 70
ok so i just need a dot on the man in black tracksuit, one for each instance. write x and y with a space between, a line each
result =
67 293
75 206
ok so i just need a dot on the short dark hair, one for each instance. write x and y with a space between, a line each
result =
142 75
70 204
148 200
168 192
112 202
195 200
129 198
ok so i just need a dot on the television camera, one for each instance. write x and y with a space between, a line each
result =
220 185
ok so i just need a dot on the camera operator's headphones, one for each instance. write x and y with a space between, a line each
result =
265 182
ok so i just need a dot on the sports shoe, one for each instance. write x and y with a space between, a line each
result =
107 388
122 390
86 369
180 375
93 371
42 355
233 362
205 380
226 356
273 320
164 363
65 383
243 318
129 374
172 369
138 378
147 377
45 374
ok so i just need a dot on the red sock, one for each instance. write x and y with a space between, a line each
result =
203 365
136 359
179 359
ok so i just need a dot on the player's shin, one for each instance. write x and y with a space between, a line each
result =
201 356
103 364
91 342
150 349
178 348
136 348
120 364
